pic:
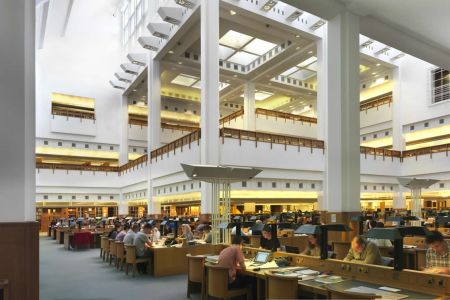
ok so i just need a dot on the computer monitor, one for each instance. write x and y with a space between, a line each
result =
262 257
292 249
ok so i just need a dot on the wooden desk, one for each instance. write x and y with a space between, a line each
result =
172 260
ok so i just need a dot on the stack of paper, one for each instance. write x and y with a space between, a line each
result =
383 294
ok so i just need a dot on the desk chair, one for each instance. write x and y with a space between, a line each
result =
112 251
196 269
217 284
131 258
105 247
281 287
120 255
102 244
333 293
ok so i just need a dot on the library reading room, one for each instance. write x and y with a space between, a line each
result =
224 149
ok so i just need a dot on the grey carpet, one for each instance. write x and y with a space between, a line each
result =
82 275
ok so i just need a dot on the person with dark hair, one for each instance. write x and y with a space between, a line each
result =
113 233
362 251
438 254
313 248
142 242
131 234
207 234
233 259
121 235
269 242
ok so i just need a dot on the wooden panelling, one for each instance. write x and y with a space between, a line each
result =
19 259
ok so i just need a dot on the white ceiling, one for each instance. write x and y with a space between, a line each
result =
428 20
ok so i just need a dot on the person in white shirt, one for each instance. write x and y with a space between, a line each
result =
131 234
156 234
378 242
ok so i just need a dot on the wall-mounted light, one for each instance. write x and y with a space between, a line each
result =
130 68
317 25
269 5
116 85
139 59
161 30
294 15
125 77
186 3
149 42
170 14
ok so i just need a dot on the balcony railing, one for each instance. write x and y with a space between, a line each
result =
231 117
133 164
427 151
72 167
270 138
73 113
179 127
186 140
283 115
367 151
376 102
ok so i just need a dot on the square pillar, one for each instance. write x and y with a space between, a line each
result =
210 114
123 146
338 113
398 142
249 106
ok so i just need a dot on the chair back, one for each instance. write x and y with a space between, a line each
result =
196 266
334 293
120 250
217 281
103 240
131 254
112 247
341 249
281 287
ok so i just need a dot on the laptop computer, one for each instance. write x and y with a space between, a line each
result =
261 258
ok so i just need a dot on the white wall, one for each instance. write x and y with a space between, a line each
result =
80 63
415 92
374 116
285 127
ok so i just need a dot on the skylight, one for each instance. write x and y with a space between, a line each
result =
259 47
307 62
242 58
261 95
225 52
185 80
235 39
222 85
303 74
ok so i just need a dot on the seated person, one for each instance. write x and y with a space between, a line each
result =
313 248
156 235
233 259
378 242
142 242
113 233
186 233
131 234
362 251
207 234
438 254
269 242
122 233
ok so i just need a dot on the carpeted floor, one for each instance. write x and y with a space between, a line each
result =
82 275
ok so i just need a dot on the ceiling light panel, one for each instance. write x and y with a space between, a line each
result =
307 62
363 68
185 80
303 74
234 39
225 52
262 95
198 85
312 67
269 5
259 47
289 71
242 58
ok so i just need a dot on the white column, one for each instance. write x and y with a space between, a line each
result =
123 146
338 113
17 111
249 106
154 123
399 201
123 205
209 144
398 141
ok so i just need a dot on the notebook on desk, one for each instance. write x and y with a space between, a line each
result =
261 258
383 294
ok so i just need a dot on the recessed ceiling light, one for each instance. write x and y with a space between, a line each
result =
234 75
297 48
310 52
170 51
374 73
297 36
134 90
378 65
232 12
180 63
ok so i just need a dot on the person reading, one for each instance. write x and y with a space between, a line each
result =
269 242
363 251
438 254
313 248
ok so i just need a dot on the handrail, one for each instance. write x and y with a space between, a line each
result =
50 166
178 143
279 114
376 102
74 114
380 152
231 116
178 127
134 163
427 151
270 138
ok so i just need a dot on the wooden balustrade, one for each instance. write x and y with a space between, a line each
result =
72 113
283 115
231 117
186 140
179 127
72 167
376 102
134 163
367 151
427 151
270 138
